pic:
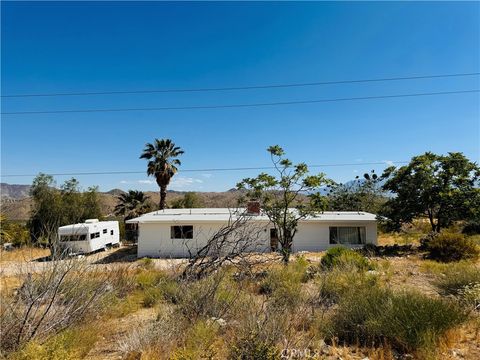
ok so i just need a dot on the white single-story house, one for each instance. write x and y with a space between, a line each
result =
180 232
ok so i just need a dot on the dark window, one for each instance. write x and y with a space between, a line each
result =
181 232
92 236
104 231
83 237
111 232
347 235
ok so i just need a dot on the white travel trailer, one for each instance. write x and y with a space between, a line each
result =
90 236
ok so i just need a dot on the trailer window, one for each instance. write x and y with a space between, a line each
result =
73 237
347 235
94 235
104 231
181 232
111 232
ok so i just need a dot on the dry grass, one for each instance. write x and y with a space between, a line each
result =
23 254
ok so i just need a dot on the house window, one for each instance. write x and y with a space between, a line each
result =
351 235
104 231
181 232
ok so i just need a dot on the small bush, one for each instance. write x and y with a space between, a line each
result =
472 228
283 285
451 247
146 263
334 284
340 256
408 321
461 280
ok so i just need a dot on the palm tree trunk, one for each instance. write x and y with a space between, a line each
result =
163 196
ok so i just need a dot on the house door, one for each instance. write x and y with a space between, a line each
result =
273 240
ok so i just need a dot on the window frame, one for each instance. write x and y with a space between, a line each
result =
361 235
179 229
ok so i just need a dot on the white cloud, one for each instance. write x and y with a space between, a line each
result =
184 182
388 162
146 182
124 182
355 171
208 176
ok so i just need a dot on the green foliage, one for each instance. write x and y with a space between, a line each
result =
284 285
408 321
282 196
190 200
441 188
360 195
54 207
162 163
14 232
341 256
448 247
462 280
253 347
132 204
199 342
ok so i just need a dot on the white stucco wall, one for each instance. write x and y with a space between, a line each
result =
315 236
155 238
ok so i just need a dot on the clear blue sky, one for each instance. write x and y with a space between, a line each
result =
91 46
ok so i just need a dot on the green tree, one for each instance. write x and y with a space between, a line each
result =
54 207
132 204
441 188
361 194
162 163
190 200
47 212
288 197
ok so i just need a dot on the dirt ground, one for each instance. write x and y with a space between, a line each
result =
400 273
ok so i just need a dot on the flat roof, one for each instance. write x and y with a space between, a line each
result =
225 214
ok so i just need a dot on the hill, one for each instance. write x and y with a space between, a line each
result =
16 203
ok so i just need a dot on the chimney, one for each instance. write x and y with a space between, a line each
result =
253 207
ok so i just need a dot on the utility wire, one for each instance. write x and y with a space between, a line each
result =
252 87
210 170
199 107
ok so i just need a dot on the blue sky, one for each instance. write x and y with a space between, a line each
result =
92 46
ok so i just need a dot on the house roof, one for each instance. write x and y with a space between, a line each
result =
225 214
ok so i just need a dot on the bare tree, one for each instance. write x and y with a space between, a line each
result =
235 243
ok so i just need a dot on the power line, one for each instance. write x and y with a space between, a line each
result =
251 87
211 169
199 107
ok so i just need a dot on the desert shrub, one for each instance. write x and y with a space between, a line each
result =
212 296
257 333
151 297
199 342
157 337
340 255
472 228
448 247
333 284
283 285
146 263
408 321
66 293
461 280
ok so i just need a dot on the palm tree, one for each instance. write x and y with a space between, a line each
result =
162 164
132 204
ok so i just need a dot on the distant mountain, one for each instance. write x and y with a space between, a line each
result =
14 191
115 192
